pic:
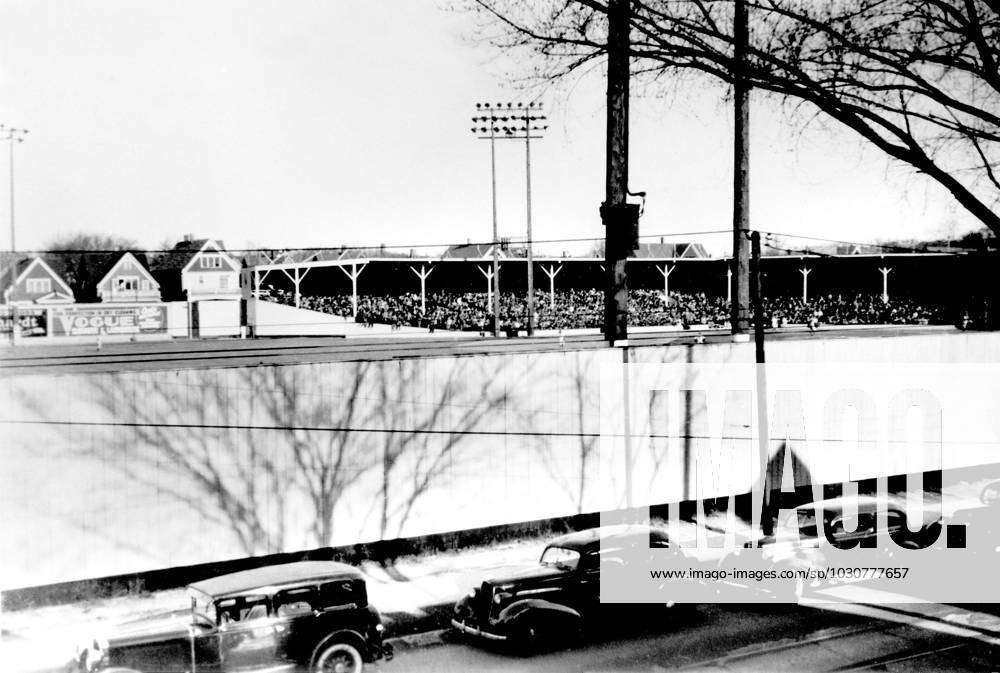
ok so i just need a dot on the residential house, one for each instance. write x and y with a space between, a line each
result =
196 270
32 281
128 280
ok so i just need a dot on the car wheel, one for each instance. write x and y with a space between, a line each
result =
526 638
339 658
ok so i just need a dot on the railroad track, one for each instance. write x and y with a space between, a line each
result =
906 656
900 644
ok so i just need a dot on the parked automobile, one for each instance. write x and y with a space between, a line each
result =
847 522
556 599
981 534
310 615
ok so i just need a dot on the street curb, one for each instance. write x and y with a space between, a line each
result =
418 640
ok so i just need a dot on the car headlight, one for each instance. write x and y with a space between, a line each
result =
500 597
380 627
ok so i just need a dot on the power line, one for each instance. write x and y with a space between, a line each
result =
881 246
425 431
369 249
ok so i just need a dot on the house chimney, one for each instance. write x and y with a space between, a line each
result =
188 238
661 240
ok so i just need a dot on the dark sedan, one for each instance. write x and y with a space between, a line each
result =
557 599
310 615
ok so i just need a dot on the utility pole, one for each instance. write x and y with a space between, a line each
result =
761 501
529 127
740 302
621 219
756 292
499 121
12 136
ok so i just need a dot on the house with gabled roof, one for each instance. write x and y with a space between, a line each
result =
663 250
32 281
470 251
197 269
128 280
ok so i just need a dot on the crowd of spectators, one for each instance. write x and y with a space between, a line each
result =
862 309
572 309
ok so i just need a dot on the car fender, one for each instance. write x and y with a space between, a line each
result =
341 635
537 605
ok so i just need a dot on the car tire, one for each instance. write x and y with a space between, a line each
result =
526 637
339 657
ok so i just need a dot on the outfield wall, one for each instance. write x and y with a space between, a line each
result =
105 474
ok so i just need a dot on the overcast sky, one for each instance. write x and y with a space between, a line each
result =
300 123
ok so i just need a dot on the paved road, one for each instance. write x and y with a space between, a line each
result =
197 354
725 638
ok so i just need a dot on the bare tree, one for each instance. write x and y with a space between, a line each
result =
326 462
82 259
237 448
918 79
585 410
278 455
426 429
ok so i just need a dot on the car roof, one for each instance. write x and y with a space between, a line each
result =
269 578
592 537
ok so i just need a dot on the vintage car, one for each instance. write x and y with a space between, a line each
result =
310 615
557 599
800 543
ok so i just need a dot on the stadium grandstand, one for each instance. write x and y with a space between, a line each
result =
675 284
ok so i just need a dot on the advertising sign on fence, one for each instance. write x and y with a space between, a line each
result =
31 320
92 320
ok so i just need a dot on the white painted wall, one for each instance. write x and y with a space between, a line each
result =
134 484
218 317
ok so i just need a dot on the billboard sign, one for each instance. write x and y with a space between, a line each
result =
93 320
32 321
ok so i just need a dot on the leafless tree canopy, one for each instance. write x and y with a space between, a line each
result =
81 259
918 79
274 454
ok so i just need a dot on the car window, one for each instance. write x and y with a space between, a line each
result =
342 593
298 601
895 519
807 523
862 523
294 609
560 557
242 609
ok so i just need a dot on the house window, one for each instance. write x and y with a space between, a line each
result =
127 283
39 285
211 262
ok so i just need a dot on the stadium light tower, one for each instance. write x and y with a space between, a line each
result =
512 121
486 129
12 136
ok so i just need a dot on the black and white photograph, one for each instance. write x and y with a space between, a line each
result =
499 336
